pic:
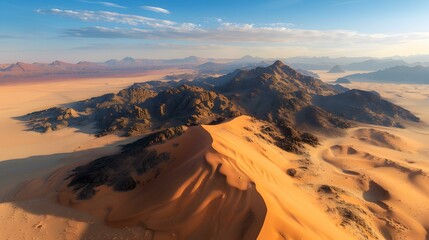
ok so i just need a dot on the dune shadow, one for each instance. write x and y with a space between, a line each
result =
376 194
16 171
244 209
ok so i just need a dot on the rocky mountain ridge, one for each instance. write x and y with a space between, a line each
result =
278 94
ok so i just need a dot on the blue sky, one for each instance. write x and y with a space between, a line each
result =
74 30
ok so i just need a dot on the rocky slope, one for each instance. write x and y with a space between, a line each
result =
229 181
277 94
367 107
137 110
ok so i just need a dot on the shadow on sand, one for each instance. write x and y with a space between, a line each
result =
213 217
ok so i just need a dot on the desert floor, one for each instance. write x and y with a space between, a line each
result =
390 165
25 155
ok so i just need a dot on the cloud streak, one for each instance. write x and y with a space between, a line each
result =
155 9
141 27
106 16
5 36
242 33
106 4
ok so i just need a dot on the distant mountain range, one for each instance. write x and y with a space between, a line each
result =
131 65
111 67
399 74
374 65
355 64
326 61
367 65
127 62
223 68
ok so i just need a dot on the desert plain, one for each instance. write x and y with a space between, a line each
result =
377 176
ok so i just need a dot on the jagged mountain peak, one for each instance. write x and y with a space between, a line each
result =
282 68
278 63
277 69
277 77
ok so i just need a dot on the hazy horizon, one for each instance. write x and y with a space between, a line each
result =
282 58
72 31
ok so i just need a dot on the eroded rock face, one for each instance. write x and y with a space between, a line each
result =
190 105
122 171
117 171
316 117
273 93
155 138
137 110
53 119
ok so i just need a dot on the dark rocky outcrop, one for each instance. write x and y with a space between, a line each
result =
117 171
155 138
274 93
122 171
190 105
287 137
138 110
317 118
367 107
52 119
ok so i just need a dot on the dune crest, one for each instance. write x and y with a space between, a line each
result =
230 181
226 181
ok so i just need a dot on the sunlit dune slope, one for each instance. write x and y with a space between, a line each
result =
221 181
228 181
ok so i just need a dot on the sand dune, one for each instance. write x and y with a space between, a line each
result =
223 181
384 139
227 182
386 179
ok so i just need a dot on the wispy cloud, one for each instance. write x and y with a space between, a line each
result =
4 36
106 4
106 16
241 33
280 24
156 9
141 27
